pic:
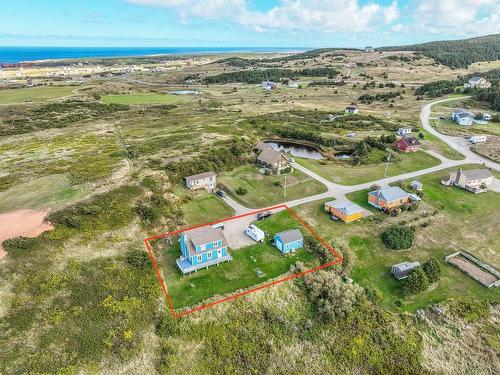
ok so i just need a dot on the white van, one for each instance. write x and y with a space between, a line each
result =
477 139
255 233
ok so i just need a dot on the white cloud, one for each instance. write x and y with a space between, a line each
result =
466 17
310 15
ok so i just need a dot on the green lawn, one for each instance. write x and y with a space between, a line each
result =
231 276
34 94
52 191
205 208
434 143
464 221
142 99
346 174
264 191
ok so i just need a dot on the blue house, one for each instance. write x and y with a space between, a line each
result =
202 247
289 241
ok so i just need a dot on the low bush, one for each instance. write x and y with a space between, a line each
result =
398 237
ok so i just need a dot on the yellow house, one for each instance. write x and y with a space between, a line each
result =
344 210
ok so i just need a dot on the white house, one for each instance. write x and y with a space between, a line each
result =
351 109
268 85
369 49
486 116
462 117
205 180
403 131
478 139
478 82
293 84
473 180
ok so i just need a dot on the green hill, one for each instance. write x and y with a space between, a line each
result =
456 53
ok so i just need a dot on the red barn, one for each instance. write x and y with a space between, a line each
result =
407 144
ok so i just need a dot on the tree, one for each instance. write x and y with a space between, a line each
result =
417 282
138 258
432 269
332 297
421 135
398 237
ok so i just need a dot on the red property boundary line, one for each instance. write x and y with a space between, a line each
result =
338 259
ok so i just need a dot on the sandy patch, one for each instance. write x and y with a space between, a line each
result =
26 223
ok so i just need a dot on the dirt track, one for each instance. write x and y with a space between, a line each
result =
26 223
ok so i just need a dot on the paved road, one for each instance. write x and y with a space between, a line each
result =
339 192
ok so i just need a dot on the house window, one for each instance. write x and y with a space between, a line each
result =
209 255
216 243
199 258
219 253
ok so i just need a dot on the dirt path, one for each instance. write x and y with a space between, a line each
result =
26 223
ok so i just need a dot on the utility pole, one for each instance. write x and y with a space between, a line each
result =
284 188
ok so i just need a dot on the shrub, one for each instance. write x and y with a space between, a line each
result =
469 310
398 237
138 259
417 282
241 190
432 269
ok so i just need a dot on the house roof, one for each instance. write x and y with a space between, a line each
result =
406 266
411 141
390 193
475 79
269 156
290 235
199 176
203 235
351 107
476 174
345 206
261 146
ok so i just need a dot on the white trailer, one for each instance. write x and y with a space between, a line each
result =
255 233
478 139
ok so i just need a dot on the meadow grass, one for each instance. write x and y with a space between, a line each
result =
205 208
34 94
142 99
351 175
264 191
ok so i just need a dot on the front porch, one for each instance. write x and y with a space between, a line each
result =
186 267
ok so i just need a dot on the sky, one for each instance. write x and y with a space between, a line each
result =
243 23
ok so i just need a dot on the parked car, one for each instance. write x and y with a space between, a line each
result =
263 215
221 193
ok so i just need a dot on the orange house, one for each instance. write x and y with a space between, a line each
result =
344 210
389 197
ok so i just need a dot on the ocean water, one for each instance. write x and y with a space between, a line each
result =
20 54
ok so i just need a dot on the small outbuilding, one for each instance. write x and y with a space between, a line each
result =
351 109
402 270
417 185
289 241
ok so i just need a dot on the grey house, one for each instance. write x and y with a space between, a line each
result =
272 160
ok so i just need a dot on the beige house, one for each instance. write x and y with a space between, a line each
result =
478 82
206 180
272 160
473 180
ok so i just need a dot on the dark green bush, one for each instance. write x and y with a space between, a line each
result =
399 237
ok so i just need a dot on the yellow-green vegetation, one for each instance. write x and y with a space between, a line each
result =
49 191
342 173
205 208
146 98
431 142
444 214
34 94
266 190
237 274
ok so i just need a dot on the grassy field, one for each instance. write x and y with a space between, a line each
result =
458 220
351 175
237 274
142 99
264 190
431 142
205 208
50 191
34 94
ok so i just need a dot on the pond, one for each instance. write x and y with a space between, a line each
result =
295 149
186 92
